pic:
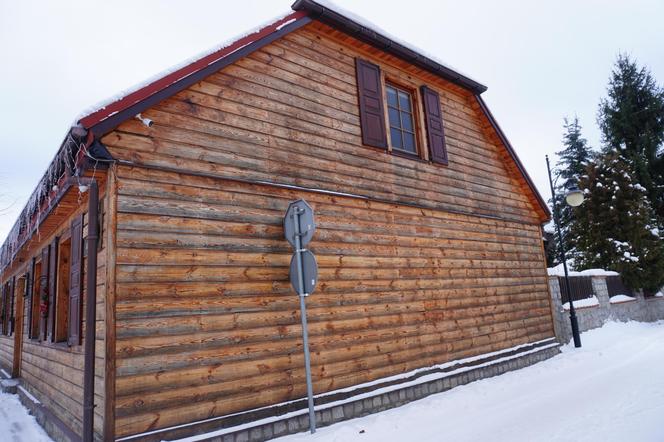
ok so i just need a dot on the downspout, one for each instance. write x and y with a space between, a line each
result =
90 310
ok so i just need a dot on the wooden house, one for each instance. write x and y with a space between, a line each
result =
145 285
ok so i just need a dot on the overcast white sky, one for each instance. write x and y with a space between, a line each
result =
541 61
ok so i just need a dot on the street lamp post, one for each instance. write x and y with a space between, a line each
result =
574 198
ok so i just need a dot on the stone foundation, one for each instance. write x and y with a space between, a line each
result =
337 407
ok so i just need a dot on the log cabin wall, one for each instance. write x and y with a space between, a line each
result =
426 264
53 371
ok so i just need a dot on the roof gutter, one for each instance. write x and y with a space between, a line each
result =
338 21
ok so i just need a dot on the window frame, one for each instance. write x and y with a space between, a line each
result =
412 98
412 88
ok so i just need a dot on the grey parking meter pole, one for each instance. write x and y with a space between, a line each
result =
303 314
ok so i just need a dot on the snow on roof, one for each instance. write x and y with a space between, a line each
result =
217 49
122 100
559 271
378 30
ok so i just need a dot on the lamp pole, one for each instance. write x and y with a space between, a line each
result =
556 220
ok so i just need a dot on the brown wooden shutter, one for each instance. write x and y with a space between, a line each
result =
3 309
12 301
52 287
434 122
43 293
29 293
372 113
75 264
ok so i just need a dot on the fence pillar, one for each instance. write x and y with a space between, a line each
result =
561 324
601 290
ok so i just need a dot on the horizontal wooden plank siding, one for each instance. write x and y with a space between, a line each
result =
418 263
206 316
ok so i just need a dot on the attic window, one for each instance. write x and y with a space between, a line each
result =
388 112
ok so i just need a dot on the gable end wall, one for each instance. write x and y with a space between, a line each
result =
425 264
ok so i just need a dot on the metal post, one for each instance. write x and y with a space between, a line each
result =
556 219
303 314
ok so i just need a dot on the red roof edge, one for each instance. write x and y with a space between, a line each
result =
514 156
181 74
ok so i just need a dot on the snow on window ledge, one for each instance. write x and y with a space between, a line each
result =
583 303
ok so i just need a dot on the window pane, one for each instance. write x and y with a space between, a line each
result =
407 121
394 117
409 142
391 96
395 134
404 101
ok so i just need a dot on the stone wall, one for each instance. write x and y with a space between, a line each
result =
641 309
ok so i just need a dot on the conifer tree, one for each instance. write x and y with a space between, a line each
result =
572 164
631 120
616 228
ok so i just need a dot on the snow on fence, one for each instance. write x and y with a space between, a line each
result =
599 296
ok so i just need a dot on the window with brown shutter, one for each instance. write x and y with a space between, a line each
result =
372 113
75 280
52 287
433 118
405 132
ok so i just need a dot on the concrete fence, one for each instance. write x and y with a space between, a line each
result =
640 309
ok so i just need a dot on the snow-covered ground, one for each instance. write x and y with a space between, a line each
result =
612 389
16 425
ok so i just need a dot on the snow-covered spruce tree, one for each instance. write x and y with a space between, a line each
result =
616 228
571 166
631 119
